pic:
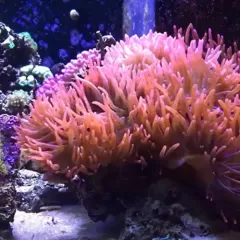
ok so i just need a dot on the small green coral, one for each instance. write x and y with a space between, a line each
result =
3 167
28 81
27 37
11 45
40 72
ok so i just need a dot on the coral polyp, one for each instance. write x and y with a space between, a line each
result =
152 99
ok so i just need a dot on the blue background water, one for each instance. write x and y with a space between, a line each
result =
60 38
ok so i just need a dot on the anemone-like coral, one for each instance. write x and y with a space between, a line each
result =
154 99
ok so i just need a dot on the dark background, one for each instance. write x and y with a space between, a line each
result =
222 16
50 25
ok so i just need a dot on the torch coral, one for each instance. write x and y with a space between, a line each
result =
153 99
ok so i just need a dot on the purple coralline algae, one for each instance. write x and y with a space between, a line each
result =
9 150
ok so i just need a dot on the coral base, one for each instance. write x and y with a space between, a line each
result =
7 201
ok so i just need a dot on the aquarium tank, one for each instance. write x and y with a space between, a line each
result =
119 120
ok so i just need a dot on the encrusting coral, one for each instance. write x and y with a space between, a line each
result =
154 99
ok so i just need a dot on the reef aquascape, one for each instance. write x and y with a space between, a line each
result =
156 99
